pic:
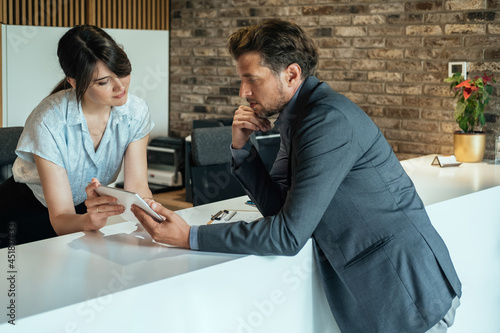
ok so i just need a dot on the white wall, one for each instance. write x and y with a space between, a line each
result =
31 69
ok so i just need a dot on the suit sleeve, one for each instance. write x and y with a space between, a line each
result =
324 151
267 190
279 171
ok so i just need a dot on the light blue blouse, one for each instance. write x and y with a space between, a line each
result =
57 131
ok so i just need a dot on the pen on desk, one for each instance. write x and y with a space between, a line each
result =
217 216
230 216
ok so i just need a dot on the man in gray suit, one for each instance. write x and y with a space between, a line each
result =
335 179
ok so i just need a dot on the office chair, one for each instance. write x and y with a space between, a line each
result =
9 136
211 178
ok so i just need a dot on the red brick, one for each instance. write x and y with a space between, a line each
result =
386 54
404 42
318 10
384 100
366 87
440 18
334 64
385 76
437 114
494 29
423 30
425 6
424 77
465 29
443 42
386 8
367 64
368 19
404 65
403 89
349 76
385 30
368 42
422 101
465 5
333 42
356 98
350 31
401 112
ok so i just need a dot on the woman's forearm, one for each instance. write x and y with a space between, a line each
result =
64 224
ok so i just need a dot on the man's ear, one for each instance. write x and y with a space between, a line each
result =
72 82
293 74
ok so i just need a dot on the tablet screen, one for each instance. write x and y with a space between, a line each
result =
127 199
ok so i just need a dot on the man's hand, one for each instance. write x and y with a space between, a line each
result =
245 122
173 230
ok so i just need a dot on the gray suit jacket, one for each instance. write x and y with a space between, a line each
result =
384 266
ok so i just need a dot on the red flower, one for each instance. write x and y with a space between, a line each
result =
487 78
468 88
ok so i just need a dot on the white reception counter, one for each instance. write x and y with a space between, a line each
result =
119 280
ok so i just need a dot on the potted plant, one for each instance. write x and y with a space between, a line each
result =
472 97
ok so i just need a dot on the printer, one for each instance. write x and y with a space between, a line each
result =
165 163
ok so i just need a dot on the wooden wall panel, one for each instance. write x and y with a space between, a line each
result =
118 14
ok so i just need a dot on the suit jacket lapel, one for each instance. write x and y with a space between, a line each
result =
294 118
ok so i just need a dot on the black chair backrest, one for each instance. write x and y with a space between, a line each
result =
211 178
210 145
9 137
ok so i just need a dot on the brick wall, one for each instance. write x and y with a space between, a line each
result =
389 57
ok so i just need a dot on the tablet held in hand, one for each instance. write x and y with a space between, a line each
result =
127 199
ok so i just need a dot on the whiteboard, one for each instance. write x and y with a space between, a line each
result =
30 69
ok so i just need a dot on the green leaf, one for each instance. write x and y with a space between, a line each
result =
482 120
479 83
479 110
463 124
459 110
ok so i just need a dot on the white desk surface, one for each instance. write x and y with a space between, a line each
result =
435 184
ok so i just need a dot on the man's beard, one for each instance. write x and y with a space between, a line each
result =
269 113
266 113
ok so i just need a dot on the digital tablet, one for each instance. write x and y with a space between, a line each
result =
127 199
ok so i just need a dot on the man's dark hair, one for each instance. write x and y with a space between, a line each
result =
280 43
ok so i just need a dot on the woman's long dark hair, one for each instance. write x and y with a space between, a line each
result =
79 50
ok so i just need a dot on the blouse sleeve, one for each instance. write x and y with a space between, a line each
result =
144 123
39 139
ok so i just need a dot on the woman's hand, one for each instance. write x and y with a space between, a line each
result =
99 208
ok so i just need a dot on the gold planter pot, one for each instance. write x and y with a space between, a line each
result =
469 147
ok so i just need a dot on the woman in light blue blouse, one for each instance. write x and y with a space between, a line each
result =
81 133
